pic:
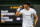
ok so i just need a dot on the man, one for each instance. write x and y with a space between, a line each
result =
26 12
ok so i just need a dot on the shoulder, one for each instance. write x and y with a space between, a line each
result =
32 9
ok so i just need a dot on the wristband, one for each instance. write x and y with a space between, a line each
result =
18 9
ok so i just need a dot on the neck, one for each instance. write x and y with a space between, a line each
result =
27 8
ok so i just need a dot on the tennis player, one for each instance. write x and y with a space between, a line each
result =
27 12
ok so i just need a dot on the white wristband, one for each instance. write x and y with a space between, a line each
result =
18 9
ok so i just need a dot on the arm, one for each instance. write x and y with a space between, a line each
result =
36 18
18 13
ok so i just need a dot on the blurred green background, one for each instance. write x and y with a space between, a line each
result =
34 4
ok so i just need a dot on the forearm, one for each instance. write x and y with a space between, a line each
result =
17 13
36 20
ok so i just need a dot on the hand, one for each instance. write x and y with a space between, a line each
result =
20 7
34 25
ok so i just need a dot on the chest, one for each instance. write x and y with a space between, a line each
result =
27 12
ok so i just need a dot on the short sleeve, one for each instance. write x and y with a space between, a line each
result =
34 12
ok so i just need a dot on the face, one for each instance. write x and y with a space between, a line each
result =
25 5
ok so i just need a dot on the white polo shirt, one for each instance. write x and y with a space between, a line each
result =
27 19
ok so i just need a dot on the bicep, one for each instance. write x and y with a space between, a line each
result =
35 15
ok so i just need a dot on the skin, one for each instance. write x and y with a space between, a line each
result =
27 7
36 19
18 11
20 7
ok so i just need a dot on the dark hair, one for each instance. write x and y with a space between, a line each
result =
27 2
